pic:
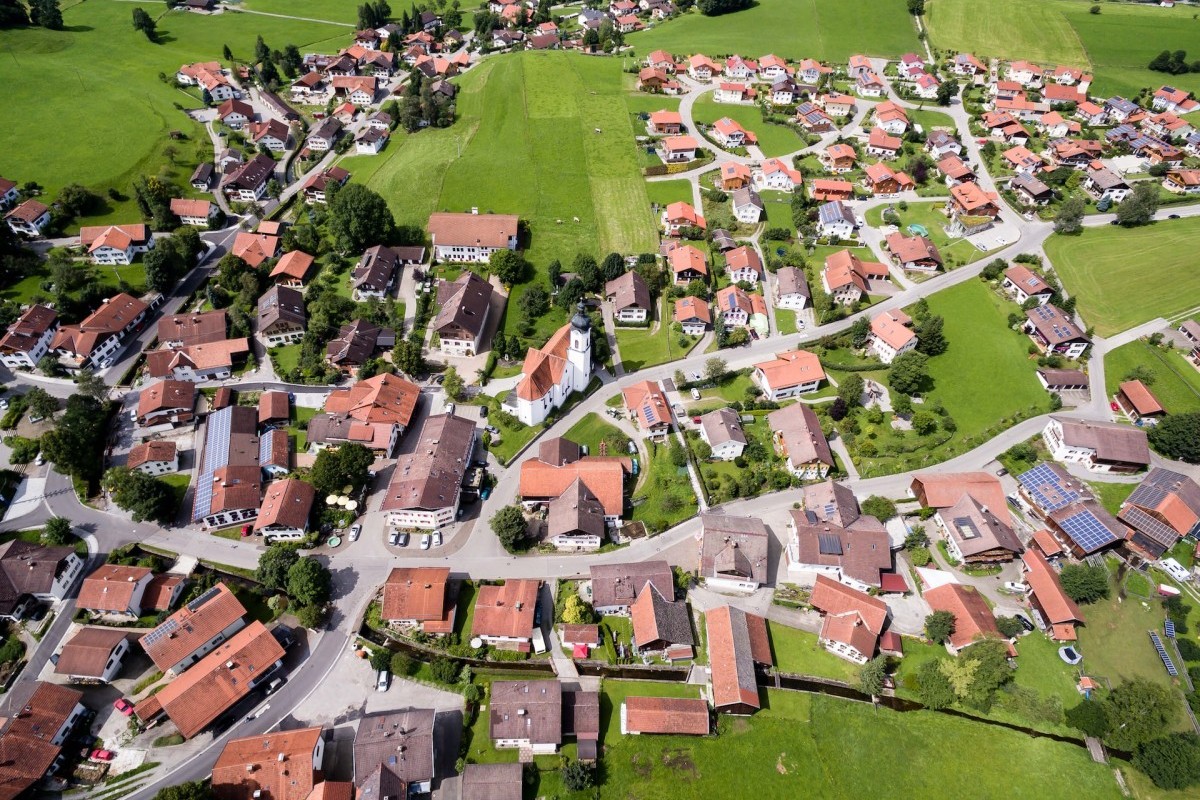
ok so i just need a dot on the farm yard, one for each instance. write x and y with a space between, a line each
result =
1104 268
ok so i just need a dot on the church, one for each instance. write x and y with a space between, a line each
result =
563 365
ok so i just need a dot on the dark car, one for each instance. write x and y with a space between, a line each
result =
1172 216
1115 222
483 411
283 635
1026 623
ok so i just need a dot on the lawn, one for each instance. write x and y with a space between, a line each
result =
667 192
786 320
30 289
96 83
1176 382
929 119
1105 269
1111 495
179 484
823 29
646 347
299 434
664 495
955 252
285 358
774 140
797 651
332 10
778 206
590 431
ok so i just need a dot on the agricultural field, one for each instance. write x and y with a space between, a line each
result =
822 29
1176 383
774 140
1104 268
1030 29
119 114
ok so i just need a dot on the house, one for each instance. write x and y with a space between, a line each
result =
1070 511
891 335
235 113
464 308
29 218
926 86
201 179
813 119
1190 329
838 158
836 104
280 764
835 220
972 209
851 620
503 615
255 248
535 716
271 134
356 89
229 481
32 741
891 118
967 65
198 362
784 92
31 572
679 215
693 316
743 264
1182 181
576 518
687 264
824 189
868 84
1024 73
471 237
1030 191
1163 508
370 141
281 317
729 133
789 374
1090 113
154 458
292 269
93 655
1107 186
285 509
791 289
492 782
702 68
374 412
734 552
94 342
882 144
195 699
1055 332
1055 94
426 484
115 590
210 77
1075 153
737 642
1054 126
1022 284
630 298
913 253
830 536
247 182
383 765
552 374
661 59
1176 101
944 490
28 339
168 402
418 597
811 71
1119 109
375 273
881 179
675 716
615 587
317 188
734 176
955 171
776 174
325 135
273 408
1138 403
651 79
728 92
193 631
798 439
646 403
1063 380
665 123
741 309
584 493
975 533
1002 125
1021 160
973 620
197 213
849 279
1100 446
355 343
721 430
1048 599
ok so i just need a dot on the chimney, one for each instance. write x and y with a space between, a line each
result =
228 665
281 757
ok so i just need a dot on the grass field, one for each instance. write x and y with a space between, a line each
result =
1031 29
332 10
641 348
1176 383
773 140
786 320
798 652
92 108
590 430
665 492
1105 269
30 288
1111 495
820 29
667 192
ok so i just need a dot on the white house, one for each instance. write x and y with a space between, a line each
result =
1100 446
743 264
776 174
197 213
890 335
116 244
748 207
789 374
550 375
157 457
471 236
791 289
835 220
29 218
28 339
722 431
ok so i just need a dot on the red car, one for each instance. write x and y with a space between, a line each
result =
102 755
1114 406
124 706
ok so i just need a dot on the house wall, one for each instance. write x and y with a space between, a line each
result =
279 533
422 519
730 584
206 648
234 516
72 569
282 335
632 314
29 358
843 650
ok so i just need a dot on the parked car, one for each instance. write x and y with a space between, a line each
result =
492 429
426 539
1002 471
437 535
124 706
274 686
450 408
1026 623
383 681
41 459
483 411
3 405
102 755
355 532
1016 586
394 537
283 635
403 542
695 394
1172 216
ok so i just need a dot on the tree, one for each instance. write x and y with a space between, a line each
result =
58 532
336 469
571 293
1172 762
715 369
908 372
1084 583
275 564
292 60
408 357
1088 717
444 670
947 91
452 382
401 663
509 526
1138 711
76 444
507 266
161 268
143 496
309 582
47 14
924 423
192 790
380 659
40 403
578 776
933 687
930 339
871 675
612 267
534 303
359 217
1178 437
1139 207
13 14
576 611
850 390
144 23
1009 627
916 7
939 626
713 8
227 53
879 507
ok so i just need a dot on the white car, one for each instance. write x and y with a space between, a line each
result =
355 531
437 539
41 459
695 394
1015 586
425 540
394 537
4 407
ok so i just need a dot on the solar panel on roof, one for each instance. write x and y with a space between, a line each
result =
166 629
204 598
1087 531
1046 488
829 544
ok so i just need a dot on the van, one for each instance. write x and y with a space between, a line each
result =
383 681
695 394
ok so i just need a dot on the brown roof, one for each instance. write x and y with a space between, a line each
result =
861 551
492 782
722 425
798 430
589 634
1043 582
1058 378
835 598
530 710
28 568
418 593
735 547
158 592
191 627
28 211
660 619
472 230
255 248
1169 496
25 752
86 654
670 715
1112 442
972 617
375 269
575 511
111 317
355 342
280 303
271 406
977 529
214 355
628 291
1054 325
400 741
150 452
506 610
912 248
466 304
199 328
944 489
604 477
28 329
620 584
736 641
286 503
791 280
278 764
217 681
1140 397
431 476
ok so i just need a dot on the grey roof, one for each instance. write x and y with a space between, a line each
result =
1121 104
619 584
401 741
1063 377
492 782
27 568
356 342
375 270
747 197
576 511
829 501
466 303
1170 497
792 280
628 291
734 546
559 451
721 426
1030 184
723 240
280 304
976 529
1107 179
329 129
530 710
833 212
671 619
431 476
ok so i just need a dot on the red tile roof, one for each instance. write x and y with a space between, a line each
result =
507 610
973 619
279 764
419 593
669 715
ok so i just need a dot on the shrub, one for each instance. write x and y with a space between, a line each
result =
444 670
